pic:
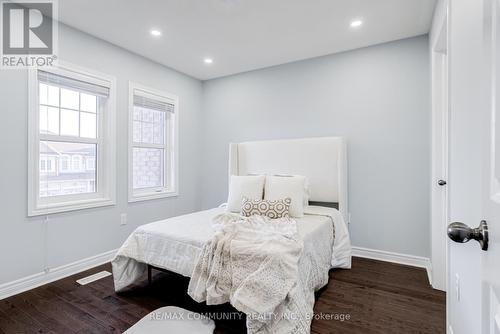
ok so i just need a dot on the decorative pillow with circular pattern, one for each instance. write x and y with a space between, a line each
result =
270 208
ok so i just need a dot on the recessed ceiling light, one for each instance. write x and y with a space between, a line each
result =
356 23
208 60
155 32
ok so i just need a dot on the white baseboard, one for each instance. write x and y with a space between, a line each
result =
409 260
30 282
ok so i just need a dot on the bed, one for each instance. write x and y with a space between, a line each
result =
175 244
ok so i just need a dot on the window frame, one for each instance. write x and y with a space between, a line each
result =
105 194
170 159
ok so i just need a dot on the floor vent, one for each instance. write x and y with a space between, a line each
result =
93 278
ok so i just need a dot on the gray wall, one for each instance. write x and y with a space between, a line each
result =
76 235
377 97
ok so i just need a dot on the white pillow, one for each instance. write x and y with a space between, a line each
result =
307 190
251 186
278 187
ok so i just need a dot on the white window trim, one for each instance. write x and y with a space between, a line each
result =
106 194
154 193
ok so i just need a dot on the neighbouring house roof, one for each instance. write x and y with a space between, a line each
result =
47 149
59 148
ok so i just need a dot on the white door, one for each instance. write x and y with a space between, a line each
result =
474 164
439 173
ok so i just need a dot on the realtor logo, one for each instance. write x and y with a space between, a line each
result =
28 33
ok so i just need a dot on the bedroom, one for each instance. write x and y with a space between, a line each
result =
151 121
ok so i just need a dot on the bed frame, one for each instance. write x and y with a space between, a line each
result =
322 160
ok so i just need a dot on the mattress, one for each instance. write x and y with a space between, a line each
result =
174 244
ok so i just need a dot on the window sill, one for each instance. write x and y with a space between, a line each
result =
151 195
70 206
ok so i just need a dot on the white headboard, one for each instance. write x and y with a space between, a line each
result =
322 160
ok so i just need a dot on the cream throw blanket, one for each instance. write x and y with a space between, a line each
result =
253 263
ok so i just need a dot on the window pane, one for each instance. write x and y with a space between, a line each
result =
88 125
53 96
69 99
147 168
147 115
49 120
158 116
158 134
149 126
137 114
137 131
42 94
68 179
147 132
53 120
88 102
44 126
158 127
90 163
69 122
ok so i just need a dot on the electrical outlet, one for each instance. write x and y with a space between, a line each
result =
457 287
123 219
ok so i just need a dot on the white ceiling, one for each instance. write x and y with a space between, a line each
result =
243 35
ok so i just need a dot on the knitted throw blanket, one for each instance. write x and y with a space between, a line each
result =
252 262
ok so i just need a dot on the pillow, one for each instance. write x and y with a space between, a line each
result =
307 190
282 187
270 208
244 186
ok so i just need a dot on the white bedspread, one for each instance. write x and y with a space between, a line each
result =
174 244
252 262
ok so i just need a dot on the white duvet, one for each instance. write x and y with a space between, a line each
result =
176 243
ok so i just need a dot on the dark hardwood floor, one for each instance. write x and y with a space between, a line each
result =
372 297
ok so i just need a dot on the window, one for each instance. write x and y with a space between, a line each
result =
71 121
153 132
76 159
47 164
90 163
64 163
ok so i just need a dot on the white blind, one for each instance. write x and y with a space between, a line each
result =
152 101
87 86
